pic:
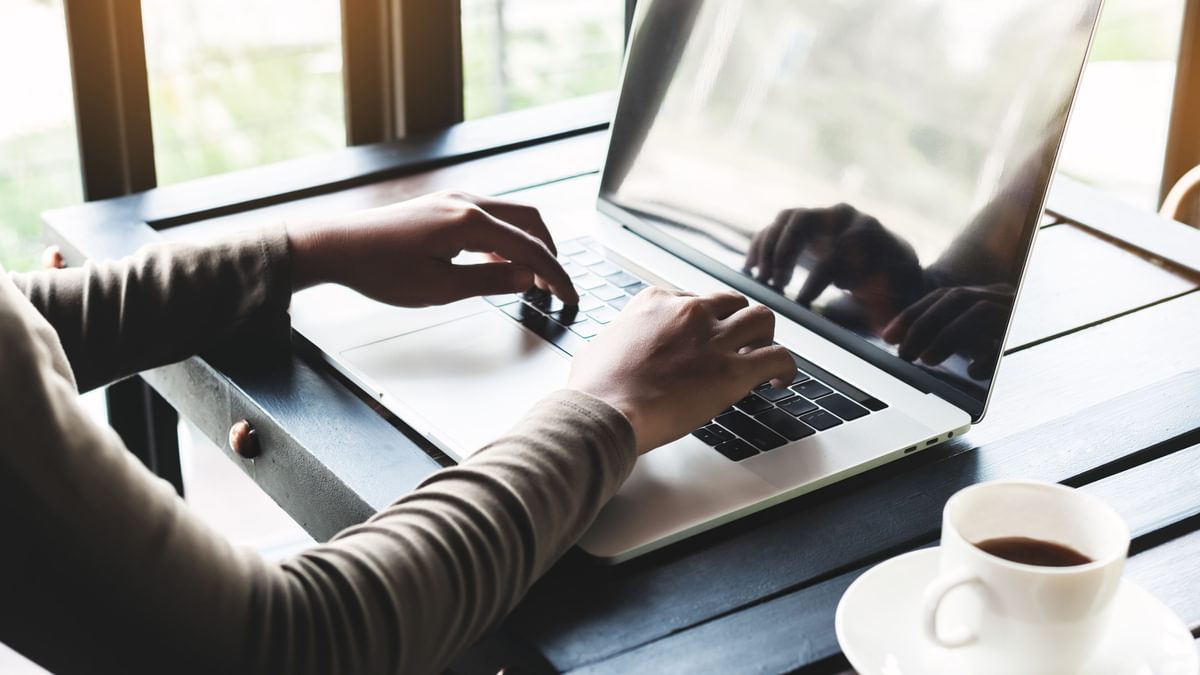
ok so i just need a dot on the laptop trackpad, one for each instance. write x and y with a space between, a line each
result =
468 380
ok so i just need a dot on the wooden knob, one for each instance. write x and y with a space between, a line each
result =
243 440
52 259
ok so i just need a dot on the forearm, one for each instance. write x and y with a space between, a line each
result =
165 303
105 558
428 575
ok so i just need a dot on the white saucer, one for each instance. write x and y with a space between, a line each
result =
879 628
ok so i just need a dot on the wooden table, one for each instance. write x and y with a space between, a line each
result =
1097 391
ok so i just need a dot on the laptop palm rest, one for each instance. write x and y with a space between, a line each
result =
465 381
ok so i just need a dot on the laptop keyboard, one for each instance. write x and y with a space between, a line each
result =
766 419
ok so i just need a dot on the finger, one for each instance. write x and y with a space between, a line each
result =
980 319
819 278
772 363
790 247
723 304
767 243
953 304
983 366
488 233
523 216
467 281
895 331
751 327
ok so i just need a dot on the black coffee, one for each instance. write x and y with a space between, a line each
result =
1033 552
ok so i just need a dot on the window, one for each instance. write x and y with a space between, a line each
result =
39 160
238 83
1118 132
523 53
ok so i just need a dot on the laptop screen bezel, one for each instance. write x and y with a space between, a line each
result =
642 225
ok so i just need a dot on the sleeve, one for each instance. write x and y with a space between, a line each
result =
164 304
104 569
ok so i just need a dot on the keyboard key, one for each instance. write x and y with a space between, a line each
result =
752 432
623 279
548 330
772 394
636 288
801 376
566 340
736 450
843 407
605 269
620 302
707 436
873 404
844 388
586 328
588 302
812 389
720 432
543 301
786 425
798 406
519 310
607 293
586 258
574 270
502 300
570 247
820 420
589 281
568 315
752 404
603 315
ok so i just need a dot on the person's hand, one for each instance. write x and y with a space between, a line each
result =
672 360
401 254
853 251
967 320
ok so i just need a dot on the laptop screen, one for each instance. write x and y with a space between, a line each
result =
874 170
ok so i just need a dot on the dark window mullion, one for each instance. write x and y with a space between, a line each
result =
112 100
1183 139
116 157
402 64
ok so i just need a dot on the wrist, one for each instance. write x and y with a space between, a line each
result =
305 246
626 408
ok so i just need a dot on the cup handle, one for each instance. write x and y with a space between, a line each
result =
932 603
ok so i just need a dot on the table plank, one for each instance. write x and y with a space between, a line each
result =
506 173
579 613
1146 230
1076 279
1057 378
796 630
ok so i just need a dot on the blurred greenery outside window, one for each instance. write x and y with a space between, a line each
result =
523 53
1117 136
39 158
239 83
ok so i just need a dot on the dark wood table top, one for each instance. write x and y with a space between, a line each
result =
1100 389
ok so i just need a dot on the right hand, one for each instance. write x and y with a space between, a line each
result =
672 360
853 251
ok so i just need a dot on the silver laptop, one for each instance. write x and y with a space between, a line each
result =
872 172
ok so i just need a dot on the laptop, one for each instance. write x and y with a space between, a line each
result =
872 172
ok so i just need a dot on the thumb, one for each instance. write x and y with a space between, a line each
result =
492 278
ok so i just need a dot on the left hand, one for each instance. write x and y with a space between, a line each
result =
967 320
402 254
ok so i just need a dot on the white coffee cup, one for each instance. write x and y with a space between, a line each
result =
1008 617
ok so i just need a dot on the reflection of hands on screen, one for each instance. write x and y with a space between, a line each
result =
852 251
967 320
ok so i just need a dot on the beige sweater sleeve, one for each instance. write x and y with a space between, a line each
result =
104 570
